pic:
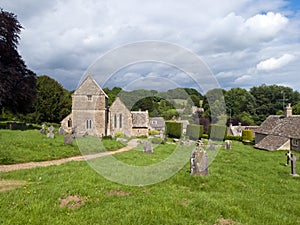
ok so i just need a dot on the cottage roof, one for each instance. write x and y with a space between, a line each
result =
139 119
281 126
272 142
157 122
89 87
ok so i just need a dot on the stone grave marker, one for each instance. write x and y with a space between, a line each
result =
43 130
228 144
288 158
69 138
50 134
61 130
148 147
293 165
199 162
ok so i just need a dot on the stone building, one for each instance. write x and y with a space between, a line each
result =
279 132
91 114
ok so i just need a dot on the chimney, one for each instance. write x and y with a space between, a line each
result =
288 111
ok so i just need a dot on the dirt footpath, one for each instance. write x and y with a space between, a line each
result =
7 168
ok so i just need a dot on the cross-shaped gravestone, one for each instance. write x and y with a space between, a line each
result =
50 134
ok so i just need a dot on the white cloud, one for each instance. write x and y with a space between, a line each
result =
62 38
243 79
275 63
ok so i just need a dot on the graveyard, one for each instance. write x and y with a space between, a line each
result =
244 186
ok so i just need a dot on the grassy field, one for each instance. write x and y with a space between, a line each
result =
245 186
30 145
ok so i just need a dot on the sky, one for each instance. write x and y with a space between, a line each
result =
242 43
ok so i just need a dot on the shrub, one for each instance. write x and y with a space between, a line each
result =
194 131
173 129
204 136
109 137
119 134
247 135
233 138
217 132
153 132
156 141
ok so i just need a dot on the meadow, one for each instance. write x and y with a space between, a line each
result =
245 186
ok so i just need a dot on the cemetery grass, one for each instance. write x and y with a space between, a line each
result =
245 186
30 146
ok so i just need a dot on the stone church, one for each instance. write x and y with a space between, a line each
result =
91 114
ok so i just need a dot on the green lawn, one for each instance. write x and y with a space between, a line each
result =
30 145
245 186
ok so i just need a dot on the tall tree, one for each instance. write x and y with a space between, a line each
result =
53 102
17 83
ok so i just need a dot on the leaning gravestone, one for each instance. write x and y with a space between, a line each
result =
199 162
50 134
61 130
43 130
148 147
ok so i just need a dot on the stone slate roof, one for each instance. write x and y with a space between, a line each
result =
281 126
139 119
271 142
157 122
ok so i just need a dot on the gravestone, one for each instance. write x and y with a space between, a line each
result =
148 147
61 130
288 158
43 130
199 162
69 138
228 144
50 134
211 145
293 165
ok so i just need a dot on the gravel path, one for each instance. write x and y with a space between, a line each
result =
7 168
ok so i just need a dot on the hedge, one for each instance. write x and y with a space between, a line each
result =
233 138
173 129
194 131
217 132
247 135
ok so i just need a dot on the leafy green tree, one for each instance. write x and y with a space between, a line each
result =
53 102
17 83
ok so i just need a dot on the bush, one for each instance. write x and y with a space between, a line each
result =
204 136
247 135
153 132
109 137
156 141
173 129
119 134
194 131
217 132
233 138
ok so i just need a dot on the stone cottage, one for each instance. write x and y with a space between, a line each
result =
279 132
91 114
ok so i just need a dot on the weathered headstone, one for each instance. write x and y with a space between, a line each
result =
50 134
61 130
293 165
211 145
148 147
43 130
288 158
227 144
199 162
69 138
